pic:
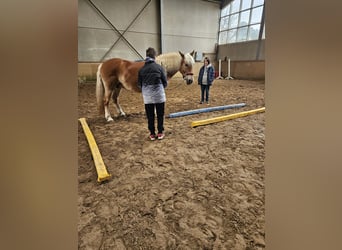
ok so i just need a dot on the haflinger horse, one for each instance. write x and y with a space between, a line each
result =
116 73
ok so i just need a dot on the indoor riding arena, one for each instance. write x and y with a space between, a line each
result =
203 186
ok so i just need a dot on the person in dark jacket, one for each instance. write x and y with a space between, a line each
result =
152 81
206 77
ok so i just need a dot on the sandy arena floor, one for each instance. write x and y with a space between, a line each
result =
199 188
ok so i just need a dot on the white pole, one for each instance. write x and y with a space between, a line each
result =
229 77
219 76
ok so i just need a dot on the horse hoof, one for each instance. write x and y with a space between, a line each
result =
110 119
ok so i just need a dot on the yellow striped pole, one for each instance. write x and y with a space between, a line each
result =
226 117
101 170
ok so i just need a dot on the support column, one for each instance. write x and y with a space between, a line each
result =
161 30
260 32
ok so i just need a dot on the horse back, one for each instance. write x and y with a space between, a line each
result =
120 71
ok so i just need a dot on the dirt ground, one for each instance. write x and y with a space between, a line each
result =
198 188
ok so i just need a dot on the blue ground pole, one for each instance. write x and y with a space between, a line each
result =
203 110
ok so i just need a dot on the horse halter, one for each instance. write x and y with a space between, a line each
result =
187 73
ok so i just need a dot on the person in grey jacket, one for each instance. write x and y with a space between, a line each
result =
152 81
206 77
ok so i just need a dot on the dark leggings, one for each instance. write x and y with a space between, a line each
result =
205 90
149 108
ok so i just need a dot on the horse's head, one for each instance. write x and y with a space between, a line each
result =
186 66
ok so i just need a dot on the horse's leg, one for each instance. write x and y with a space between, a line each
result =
116 94
107 95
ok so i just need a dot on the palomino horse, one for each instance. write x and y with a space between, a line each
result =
116 73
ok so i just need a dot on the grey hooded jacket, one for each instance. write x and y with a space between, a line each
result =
152 82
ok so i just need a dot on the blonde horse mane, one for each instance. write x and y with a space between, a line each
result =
171 61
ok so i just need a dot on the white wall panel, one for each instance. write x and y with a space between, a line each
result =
190 25
187 25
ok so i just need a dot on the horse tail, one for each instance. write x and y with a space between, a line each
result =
99 90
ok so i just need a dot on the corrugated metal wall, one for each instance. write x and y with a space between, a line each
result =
183 25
